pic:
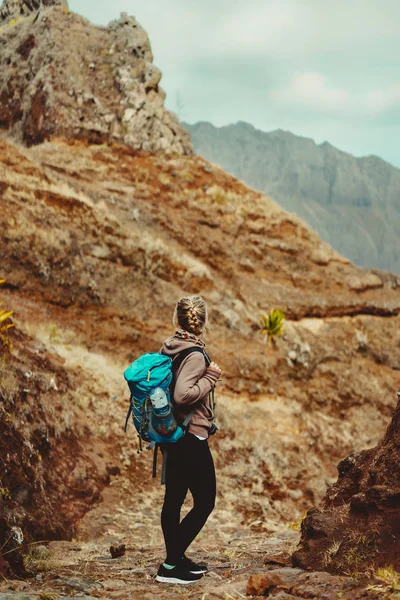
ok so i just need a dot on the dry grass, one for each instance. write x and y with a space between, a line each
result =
359 552
390 589
164 179
4 317
330 553
223 197
9 384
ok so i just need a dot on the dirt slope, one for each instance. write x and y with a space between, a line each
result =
98 242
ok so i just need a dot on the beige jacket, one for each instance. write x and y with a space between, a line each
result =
194 381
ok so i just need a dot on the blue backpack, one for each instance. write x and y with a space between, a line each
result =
150 381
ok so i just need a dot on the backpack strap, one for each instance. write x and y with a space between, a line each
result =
176 363
187 420
164 466
155 452
164 452
128 414
179 358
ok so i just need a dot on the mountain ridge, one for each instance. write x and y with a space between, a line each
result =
353 203
280 130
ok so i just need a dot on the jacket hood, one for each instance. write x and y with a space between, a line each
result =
173 345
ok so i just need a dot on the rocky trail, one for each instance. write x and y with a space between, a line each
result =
83 568
243 563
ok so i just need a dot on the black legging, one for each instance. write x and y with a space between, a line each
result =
190 466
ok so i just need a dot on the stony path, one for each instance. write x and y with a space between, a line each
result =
83 568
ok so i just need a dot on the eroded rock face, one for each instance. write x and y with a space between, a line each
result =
49 476
12 9
358 524
62 76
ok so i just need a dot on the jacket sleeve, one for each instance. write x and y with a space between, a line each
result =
191 385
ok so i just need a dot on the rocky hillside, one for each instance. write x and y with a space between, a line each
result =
353 203
98 240
97 243
60 75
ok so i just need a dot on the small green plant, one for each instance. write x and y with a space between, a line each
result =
296 525
217 194
4 316
389 575
14 21
164 179
272 325
5 493
54 334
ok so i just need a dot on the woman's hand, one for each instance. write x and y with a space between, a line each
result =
214 367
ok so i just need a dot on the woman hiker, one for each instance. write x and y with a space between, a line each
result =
190 464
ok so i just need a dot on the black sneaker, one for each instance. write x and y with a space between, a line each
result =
178 574
192 566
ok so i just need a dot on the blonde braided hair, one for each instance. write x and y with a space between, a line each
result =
191 314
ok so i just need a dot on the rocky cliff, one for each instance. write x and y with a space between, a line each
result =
62 76
353 203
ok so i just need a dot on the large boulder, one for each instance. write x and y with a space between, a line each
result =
358 523
62 76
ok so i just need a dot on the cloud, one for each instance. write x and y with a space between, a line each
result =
291 29
312 90
253 28
384 100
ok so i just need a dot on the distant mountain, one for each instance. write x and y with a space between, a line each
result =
353 203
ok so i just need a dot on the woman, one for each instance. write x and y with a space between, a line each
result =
190 465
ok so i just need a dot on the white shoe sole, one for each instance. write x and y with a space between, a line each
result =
173 580
199 572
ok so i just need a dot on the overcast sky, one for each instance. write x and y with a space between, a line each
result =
325 69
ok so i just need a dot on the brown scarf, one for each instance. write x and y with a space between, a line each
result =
182 333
